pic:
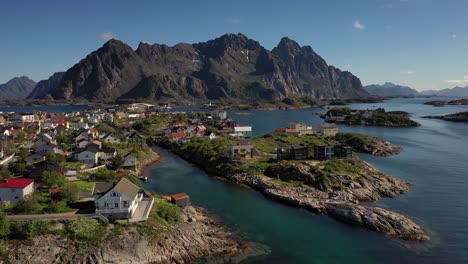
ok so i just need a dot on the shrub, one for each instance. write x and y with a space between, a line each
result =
105 175
53 179
167 212
4 225
28 229
85 230
58 207
28 205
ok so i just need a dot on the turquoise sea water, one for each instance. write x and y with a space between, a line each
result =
434 160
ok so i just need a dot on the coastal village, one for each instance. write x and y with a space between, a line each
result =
91 164
98 154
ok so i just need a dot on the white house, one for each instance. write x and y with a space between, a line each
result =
26 117
242 131
111 138
12 190
117 200
106 153
94 119
212 135
88 156
130 160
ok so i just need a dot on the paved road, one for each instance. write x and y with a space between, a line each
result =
62 216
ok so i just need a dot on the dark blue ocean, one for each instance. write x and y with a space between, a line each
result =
434 160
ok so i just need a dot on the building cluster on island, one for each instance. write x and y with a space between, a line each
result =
225 126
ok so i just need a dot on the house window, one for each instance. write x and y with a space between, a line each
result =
106 204
125 203
13 190
116 205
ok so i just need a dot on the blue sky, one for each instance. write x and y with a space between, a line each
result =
421 43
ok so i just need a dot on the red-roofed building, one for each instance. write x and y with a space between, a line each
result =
176 135
180 199
15 189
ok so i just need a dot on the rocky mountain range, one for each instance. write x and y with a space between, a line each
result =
16 89
44 87
452 92
231 67
389 89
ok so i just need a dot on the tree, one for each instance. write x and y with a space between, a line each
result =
53 179
56 158
4 225
70 192
118 161
5 173
104 175
24 153
19 167
28 205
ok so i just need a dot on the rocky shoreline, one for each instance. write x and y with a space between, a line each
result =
369 145
457 117
443 103
340 204
198 237
344 207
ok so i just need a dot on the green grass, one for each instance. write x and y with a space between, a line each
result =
265 144
71 165
83 186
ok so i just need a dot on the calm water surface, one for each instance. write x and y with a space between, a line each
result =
44 108
434 160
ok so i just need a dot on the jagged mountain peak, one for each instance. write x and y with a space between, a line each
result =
287 43
16 88
230 67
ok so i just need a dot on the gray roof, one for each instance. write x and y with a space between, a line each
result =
128 188
102 187
124 186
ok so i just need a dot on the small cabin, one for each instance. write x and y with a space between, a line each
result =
180 199
293 152
330 152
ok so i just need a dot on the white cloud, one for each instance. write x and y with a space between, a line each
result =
358 25
407 72
454 36
462 81
233 21
107 36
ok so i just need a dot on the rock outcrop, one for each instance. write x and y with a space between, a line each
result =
231 67
457 117
197 237
44 87
342 206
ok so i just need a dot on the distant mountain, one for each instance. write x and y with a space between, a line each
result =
231 67
389 89
451 92
16 88
44 87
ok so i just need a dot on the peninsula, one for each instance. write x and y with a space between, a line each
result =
316 170
377 117
443 103
457 117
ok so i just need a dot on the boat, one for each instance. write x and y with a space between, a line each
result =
143 178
